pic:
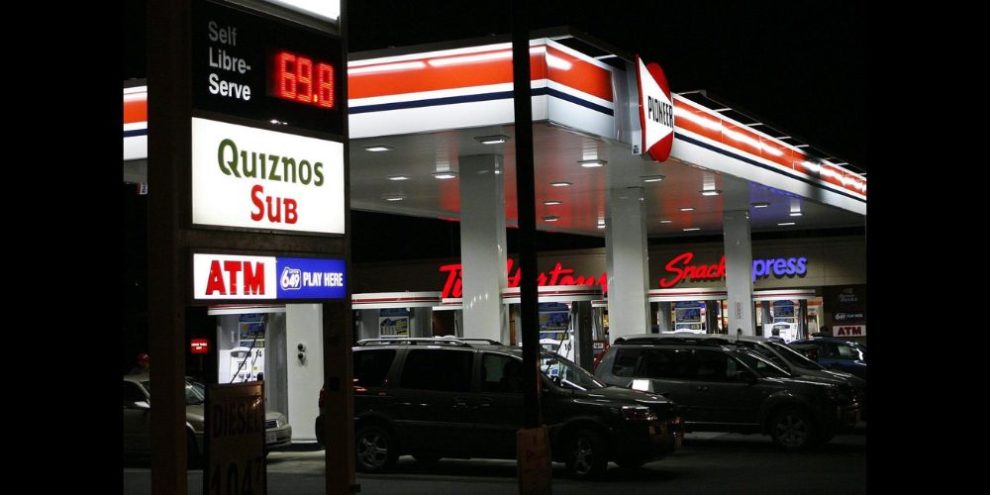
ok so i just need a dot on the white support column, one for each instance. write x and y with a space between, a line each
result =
738 271
627 262
303 325
483 246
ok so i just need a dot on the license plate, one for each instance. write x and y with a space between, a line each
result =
270 437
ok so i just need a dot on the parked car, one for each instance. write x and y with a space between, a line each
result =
732 388
462 398
835 354
137 420
780 354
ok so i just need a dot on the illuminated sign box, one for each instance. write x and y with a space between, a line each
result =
241 277
266 69
260 179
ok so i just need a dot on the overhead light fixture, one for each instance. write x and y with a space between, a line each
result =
398 177
653 178
394 197
666 221
785 224
691 229
447 174
378 148
592 163
710 192
796 213
760 204
551 218
497 139
552 202
687 209
561 183
601 226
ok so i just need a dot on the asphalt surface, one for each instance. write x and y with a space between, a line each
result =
709 463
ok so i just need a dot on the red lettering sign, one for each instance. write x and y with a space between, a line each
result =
850 331
254 278
199 346
558 275
682 269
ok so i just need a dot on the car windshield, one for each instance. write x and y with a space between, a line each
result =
768 354
567 374
761 364
195 391
851 351
795 357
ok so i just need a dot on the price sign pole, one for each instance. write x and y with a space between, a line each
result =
248 193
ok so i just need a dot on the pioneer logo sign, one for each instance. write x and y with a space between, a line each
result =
255 178
225 277
656 110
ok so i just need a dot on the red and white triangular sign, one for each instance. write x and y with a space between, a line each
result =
656 110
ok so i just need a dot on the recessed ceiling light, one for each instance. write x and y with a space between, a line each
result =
551 218
592 163
761 204
445 175
398 177
710 192
377 148
394 197
653 178
785 224
561 183
796 213
687 209
496 139
552 202
666 221
691 229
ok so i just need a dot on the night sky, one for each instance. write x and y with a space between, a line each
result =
799 66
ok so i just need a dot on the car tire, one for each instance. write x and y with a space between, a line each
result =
793 429
375 449
586 456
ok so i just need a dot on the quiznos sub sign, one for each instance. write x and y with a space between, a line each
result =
260 179
221 276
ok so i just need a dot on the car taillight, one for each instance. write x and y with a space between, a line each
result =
323 397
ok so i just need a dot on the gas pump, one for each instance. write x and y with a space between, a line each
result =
565 320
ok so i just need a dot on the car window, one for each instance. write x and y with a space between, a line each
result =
664 363
767 353
711 366
195 392
795 357
625 361
567 374
500 373
437 369
847 352
761 365
132 393
371 367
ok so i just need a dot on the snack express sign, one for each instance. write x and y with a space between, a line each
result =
237 277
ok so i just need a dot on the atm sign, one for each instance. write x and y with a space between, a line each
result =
850 331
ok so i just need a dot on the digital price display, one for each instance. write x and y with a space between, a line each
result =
279 74
298 78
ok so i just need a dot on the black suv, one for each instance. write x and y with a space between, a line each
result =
463 398
731 388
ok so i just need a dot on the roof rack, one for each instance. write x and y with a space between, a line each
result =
461 341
